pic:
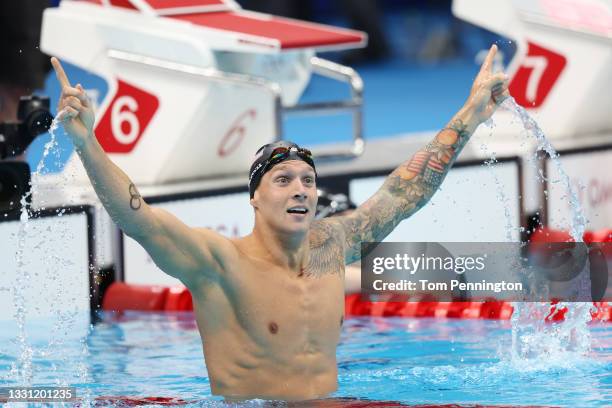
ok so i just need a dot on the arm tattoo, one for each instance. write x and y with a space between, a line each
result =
135 197
326 249
415 181
408 188
377 217
461 129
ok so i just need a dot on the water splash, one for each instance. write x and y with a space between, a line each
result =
578 222
501 194
24 371
536 343
23 367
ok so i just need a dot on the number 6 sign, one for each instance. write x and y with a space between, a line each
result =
125 118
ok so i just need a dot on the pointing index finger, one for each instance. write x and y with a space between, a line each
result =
487 65
59 73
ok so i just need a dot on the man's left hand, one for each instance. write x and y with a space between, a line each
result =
488 90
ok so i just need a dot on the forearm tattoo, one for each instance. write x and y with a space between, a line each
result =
433 162
408 188
461 129
135 197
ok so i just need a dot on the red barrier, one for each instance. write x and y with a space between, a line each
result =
178 300
550 235
355 306
122 296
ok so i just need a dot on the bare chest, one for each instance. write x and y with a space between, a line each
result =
275 306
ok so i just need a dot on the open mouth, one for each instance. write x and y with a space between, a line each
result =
297 210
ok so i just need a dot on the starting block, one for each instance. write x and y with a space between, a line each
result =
196 86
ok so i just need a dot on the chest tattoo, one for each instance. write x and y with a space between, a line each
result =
326 250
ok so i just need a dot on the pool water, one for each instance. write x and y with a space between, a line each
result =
412 361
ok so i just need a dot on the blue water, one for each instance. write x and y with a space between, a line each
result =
413 361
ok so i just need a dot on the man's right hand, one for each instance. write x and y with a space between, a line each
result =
74 108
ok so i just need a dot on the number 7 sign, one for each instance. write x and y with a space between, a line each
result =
126 118
537 75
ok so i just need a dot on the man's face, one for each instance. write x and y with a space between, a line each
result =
287 196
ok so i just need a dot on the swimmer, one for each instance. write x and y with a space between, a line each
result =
269 306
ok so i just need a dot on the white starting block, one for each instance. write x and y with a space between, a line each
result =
561 69
195 86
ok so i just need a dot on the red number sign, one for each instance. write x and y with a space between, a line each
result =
537 75
126 118
232 138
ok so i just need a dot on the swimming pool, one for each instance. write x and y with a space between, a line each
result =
411 361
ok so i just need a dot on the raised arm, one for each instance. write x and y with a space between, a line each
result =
186 253
411 185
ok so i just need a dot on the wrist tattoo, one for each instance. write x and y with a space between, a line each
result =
135 197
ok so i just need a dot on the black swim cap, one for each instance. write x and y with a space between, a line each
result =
271 154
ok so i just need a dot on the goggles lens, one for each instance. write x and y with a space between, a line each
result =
281 153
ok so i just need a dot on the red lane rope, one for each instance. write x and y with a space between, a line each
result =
120 297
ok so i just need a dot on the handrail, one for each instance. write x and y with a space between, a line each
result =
354 105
